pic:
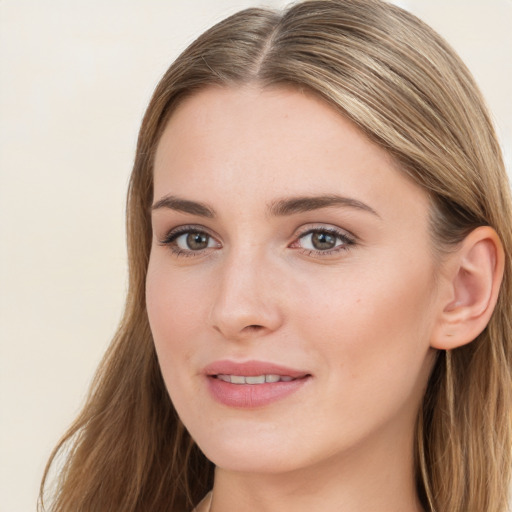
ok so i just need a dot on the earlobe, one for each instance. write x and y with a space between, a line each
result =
475 275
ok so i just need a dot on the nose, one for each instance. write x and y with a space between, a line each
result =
246 304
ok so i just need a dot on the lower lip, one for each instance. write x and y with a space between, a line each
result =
250 396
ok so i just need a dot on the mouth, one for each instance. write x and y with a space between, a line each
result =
252 384
253 379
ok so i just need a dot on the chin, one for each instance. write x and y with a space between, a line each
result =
251 462
250 453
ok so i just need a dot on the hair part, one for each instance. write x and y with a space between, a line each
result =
406 89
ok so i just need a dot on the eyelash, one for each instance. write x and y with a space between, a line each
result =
346 241
173 235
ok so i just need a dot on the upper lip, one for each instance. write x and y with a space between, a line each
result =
251 369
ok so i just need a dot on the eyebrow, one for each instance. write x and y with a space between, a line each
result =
278 208
185 206
290 206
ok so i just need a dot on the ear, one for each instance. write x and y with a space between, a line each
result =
469 289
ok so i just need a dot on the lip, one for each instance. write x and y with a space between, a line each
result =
251 369
248 396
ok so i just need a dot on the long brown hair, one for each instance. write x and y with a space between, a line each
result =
405 88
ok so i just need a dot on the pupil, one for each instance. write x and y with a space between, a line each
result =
323 241
197 241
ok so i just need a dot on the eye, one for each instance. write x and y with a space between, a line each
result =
194 241
188 240
320 241
323 241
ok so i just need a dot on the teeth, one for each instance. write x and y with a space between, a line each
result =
256 379
260 379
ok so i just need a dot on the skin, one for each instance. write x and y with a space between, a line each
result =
358 319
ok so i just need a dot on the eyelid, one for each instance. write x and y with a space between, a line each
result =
173 234
330 228
348 239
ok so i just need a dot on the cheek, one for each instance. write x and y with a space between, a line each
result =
175 313
377 358
175 300
373 329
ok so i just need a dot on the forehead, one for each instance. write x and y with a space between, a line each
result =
257 143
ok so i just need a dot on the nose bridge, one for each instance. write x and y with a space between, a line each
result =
245 302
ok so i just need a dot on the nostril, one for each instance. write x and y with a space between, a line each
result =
253 328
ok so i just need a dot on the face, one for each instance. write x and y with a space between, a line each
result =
290 285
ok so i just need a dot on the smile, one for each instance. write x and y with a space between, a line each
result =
254 379
253 384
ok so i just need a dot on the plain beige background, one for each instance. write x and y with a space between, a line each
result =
75 77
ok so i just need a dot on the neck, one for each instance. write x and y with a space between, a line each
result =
376 477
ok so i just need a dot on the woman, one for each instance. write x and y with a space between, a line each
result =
319 302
